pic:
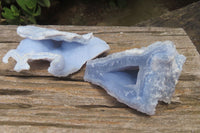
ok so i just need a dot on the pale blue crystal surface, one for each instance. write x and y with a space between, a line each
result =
139 77
67 52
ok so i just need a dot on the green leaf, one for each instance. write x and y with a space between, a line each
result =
31 4
44 3
38 11
8 14
21 20
14 10
32 19
27 5
22 4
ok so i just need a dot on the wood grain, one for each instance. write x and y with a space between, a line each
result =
34 101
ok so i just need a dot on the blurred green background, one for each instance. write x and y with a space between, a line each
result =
158 13
85 12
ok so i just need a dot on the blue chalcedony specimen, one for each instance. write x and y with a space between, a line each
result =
139 77
66 51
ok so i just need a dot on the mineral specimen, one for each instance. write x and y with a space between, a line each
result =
66 51
139 77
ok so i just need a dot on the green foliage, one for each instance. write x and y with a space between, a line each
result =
11 13
44 3
23 11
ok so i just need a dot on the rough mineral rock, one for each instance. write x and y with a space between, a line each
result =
139 77
66 51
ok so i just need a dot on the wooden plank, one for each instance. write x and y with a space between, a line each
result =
154 31
67 104
34 101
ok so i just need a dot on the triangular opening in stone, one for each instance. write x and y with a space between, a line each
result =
128 74
124 77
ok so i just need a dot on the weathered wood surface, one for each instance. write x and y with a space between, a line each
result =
34 101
